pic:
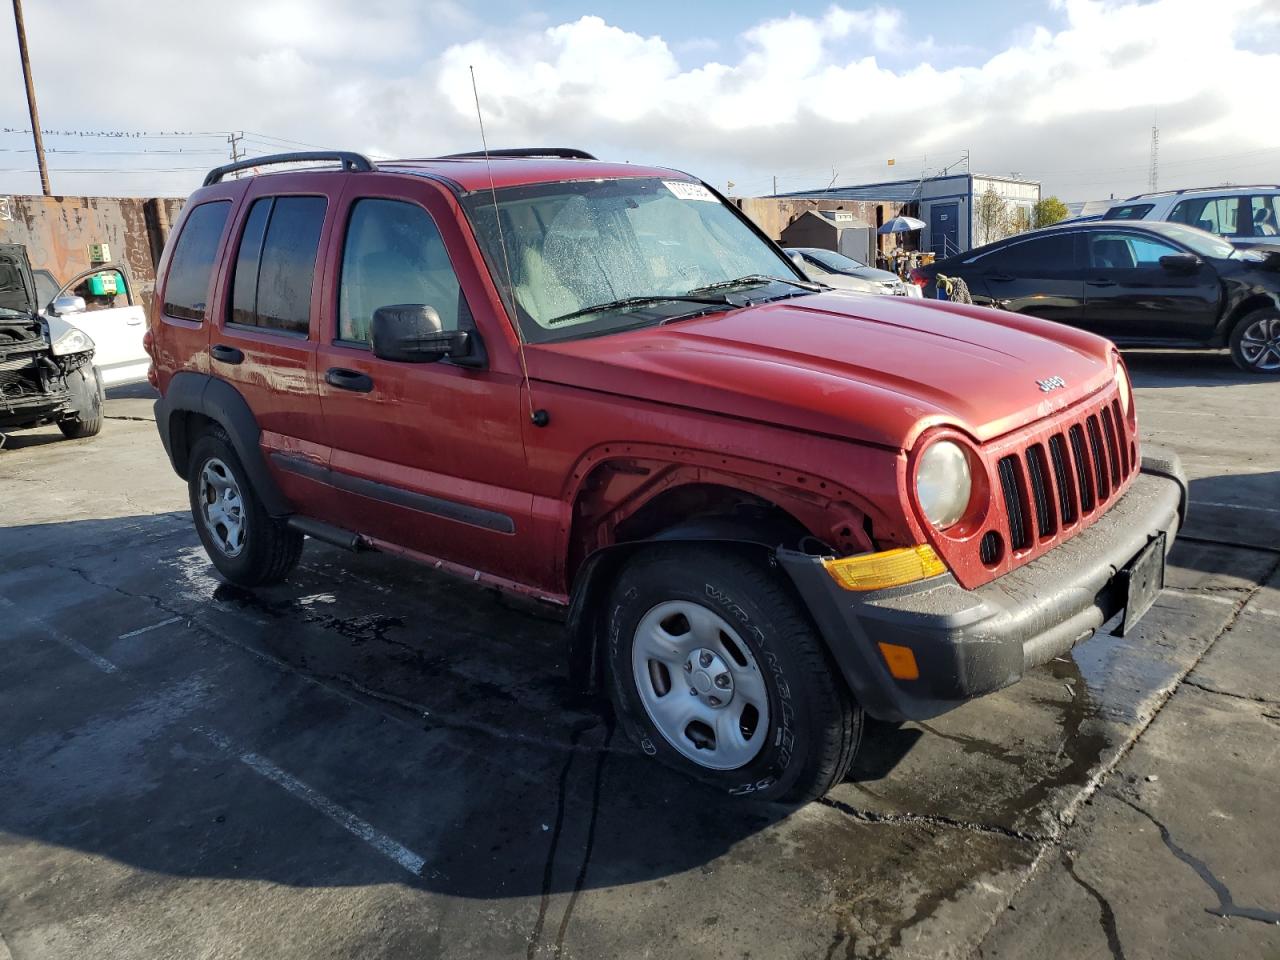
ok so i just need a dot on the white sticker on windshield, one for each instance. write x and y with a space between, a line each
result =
689 191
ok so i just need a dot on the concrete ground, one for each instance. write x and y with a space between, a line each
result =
372 760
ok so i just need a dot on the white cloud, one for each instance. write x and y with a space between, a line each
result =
1070 100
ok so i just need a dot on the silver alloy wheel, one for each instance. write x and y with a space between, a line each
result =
700 685
222 507
1260 344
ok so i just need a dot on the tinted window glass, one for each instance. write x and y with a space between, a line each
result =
393 254
244 295
1123 251
187 284
1128 211
1030 258
1263 215
283 261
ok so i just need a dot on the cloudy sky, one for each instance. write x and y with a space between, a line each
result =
1064 91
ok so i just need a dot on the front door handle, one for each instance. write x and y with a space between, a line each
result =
345 379
225 354
1101 282
1000 277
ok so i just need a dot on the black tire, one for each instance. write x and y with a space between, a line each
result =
86 393
1245 324
269 550
814 725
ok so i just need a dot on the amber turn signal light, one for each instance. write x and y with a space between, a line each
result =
889 568
901 661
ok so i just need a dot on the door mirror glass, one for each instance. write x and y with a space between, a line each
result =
67 305
1180 263
413 333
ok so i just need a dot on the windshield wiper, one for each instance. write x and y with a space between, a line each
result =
755 280
637 302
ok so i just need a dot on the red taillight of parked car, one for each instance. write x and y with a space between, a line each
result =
917 277
149 344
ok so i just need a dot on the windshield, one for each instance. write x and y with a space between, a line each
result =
574 246
835 262
1198 241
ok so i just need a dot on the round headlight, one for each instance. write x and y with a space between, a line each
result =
943 483
1126 391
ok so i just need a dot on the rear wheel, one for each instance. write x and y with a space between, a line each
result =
247 545
717 671
1255 342
86 394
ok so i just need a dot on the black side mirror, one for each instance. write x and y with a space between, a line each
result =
412 333
1180 263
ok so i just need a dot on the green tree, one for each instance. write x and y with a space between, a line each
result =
1049 211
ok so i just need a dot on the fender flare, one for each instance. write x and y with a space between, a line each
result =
190 392
588 600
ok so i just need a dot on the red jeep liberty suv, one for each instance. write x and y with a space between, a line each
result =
765 506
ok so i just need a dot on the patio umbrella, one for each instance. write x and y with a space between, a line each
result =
902 225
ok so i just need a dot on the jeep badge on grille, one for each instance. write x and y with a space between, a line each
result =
1050 384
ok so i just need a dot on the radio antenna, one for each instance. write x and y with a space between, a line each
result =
537 417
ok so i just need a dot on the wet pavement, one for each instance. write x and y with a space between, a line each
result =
375 760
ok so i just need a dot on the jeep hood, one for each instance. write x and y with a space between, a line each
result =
17 285
874 369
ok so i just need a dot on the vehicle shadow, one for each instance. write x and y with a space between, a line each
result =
32 437
436 713
132 391
1188 368
1239 508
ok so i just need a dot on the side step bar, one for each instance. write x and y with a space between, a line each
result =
328 533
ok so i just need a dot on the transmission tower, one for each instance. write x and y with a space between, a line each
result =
1153 178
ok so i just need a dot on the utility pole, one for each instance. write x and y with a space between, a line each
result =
31 97
1153 178
236 153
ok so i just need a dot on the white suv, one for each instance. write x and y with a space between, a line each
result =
1247 216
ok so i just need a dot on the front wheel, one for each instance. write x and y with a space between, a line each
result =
716 670
1255 342
85 386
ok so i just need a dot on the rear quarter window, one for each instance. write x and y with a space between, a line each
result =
1129 211
186 288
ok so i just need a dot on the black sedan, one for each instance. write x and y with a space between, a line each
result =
1140 284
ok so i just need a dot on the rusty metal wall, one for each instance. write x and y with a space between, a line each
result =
57 232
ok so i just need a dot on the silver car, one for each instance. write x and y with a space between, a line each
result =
845 273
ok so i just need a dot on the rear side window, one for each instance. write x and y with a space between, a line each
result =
394 254
1033 258
1218 215
1129 211
187 285
276 262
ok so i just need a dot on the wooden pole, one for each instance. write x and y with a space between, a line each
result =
31 97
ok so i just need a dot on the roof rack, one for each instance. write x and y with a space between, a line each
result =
1222 186
352 162
562 153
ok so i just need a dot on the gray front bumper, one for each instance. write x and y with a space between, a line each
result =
971 642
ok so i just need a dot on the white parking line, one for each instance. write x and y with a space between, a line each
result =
389 848
142 630
75 646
